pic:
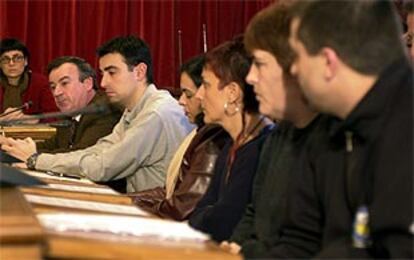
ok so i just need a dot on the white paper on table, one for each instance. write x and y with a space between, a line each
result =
85 205
76 188
53 177
122 225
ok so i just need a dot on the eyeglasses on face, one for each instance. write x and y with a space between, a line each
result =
15 59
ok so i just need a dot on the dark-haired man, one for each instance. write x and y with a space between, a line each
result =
353 196
73 84
142 143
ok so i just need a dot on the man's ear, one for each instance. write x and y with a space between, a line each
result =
331 61
141 71
88 82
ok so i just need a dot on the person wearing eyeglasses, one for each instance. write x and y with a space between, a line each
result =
19 85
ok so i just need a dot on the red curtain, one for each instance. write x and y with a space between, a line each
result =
72 27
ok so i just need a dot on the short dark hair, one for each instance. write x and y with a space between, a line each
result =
194 67
409 6
12 44
84 68
230 62
269 31
365 34
133 49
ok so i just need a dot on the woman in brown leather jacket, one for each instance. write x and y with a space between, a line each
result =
192 166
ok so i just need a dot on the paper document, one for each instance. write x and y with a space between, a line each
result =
122 225
54 177
86 205
76 188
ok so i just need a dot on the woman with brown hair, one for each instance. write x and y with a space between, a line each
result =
229 101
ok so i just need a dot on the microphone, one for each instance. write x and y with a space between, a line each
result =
92 109
22 107
61 123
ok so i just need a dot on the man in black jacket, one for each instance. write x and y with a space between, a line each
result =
353 195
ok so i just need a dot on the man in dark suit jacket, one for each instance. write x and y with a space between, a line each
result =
73 84
83 133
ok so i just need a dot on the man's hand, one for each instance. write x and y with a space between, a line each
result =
4 140
21 149
231 247
20 165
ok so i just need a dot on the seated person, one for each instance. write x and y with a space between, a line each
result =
352 196
280 98
229 101
192 166
143 142
19 85
73 84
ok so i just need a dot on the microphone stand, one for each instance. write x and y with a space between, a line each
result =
92 109
24 106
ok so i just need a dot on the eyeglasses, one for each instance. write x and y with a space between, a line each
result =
15 59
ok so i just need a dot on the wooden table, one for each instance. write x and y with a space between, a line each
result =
21 236
102 246
38 132
67 247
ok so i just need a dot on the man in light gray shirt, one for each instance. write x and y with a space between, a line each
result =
143 142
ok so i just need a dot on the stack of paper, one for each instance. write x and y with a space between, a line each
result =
53 176
122 225
86 205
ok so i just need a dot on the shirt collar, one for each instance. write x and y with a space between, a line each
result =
77 118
